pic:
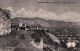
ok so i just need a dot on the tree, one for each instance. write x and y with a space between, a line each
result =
5 21
5 13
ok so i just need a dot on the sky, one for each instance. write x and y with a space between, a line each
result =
55 9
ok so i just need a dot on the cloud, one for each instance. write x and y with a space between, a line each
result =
68 17
12 11
10 8
40 13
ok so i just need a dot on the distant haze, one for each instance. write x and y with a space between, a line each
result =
68 12
41 13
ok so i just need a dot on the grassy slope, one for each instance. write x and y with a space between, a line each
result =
14 42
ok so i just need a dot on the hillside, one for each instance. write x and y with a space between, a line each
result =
50 24
14 41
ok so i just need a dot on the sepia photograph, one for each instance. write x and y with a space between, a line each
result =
39 25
